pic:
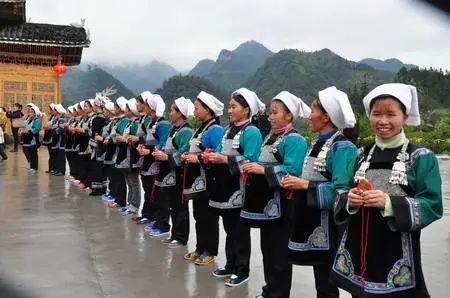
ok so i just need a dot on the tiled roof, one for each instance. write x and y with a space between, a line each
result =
44 34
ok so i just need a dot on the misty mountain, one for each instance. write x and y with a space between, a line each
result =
78 84
391 65
139 78
232 68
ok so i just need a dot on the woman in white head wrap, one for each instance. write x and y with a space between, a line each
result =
48 136
266 204
169 176
325 171
115 141
207 109
242 141
397 193
155 132
70 146
57 162
128 160
30 136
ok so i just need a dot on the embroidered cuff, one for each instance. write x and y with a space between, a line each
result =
273 176
351 210
174 160
406 213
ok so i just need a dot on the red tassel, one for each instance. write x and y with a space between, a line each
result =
183 198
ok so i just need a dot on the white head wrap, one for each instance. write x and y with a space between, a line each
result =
131 103
122 103
157 104
91 101
60 109
52 105
211 102
295 104
146 95
35 108
185 106
251 98
337 105
109 105
406 94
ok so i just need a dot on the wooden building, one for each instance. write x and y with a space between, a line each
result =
27 53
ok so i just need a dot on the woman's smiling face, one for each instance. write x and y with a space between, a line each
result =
387 117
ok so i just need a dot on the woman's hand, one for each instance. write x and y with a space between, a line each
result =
133 138
121 139
160 155
374 198
354 198
292 182
190 158
216 158
99 138
252 168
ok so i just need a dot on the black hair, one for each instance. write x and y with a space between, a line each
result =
18 105
211 112
352 133
241 101
285 108
140 99
178 110
318 104
384 97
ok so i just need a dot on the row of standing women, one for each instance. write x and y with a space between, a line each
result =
354 215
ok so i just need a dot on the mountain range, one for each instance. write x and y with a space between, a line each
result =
251 64
391 65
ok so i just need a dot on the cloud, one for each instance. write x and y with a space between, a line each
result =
183 32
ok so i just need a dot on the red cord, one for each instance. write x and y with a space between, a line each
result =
183 198
365 216
290 195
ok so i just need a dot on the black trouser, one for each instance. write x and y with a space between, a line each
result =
60 160
51 158
83 162
149 210
118 187
15 133
69 157
206 227
277 270
32 156
75 166
2 151
238 244
323 287
96 177
169 206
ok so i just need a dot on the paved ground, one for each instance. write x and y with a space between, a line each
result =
56 241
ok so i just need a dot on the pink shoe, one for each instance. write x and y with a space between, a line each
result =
76 181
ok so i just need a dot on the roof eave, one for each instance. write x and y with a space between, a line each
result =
38 43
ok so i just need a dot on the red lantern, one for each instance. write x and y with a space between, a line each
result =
59 68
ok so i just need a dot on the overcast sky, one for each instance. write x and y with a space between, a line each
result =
181 32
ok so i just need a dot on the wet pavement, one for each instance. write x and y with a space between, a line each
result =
56 241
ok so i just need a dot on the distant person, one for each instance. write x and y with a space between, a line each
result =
3 121
15 115
30 136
